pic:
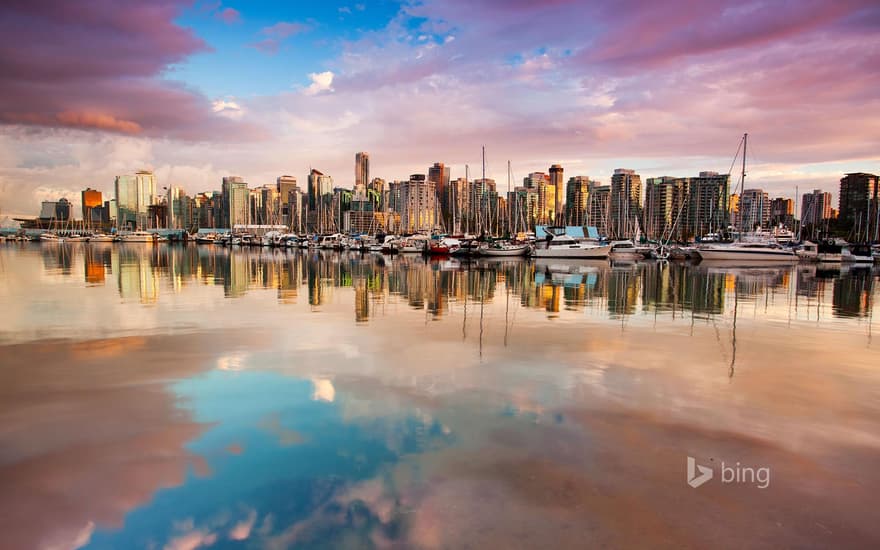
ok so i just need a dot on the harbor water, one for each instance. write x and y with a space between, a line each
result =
195 396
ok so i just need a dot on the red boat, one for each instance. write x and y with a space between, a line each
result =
438 248
442 247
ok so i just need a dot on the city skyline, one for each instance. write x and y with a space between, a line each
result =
201 90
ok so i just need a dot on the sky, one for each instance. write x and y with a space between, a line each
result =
196 90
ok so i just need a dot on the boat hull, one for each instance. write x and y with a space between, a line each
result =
574 253
505 252
743 255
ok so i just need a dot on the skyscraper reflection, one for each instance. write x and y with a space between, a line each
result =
441 287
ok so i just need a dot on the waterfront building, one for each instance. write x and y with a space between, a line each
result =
734 209
626 202
708 209
340 204
782 212
540 182
157 215
600 208
391 197
265 206
296 211
754 210
361 170
438 174
217 204
460 207
320 194
91 199
483 202
236 202
523 203
203 207
320 185
134 195
376 193
285 185
665 197
417 204
556 175
181 208
858 204
577 193
54 211
815 208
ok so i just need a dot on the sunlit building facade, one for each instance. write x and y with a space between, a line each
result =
134 196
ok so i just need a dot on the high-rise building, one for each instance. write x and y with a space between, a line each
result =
708 209
459 206
626 202
577 193
600 208
91 199
320 216
376 193
265 206
236 202
540 182
754 210
134 196
815 208
782 212
483 202
523 203
285 185
361 171
181 213
320 185
665 197
48 210
438 174
203 203
556 175
418 204
858 204
63 209
683 208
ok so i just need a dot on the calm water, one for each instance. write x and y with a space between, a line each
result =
184 397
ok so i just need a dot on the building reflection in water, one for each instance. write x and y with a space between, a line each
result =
441 286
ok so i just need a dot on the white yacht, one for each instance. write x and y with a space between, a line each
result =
332 242
566 246
504 249
747 252
51 238
625 251
808 251
141 237
414 244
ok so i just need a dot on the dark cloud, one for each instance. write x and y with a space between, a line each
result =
96 65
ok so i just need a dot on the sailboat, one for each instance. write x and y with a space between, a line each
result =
752 250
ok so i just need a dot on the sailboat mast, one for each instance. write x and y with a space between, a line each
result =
509 220
467 190
482 184
742 187
745 146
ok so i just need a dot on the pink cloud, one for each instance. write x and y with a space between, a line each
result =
95 65
276 34
228 15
